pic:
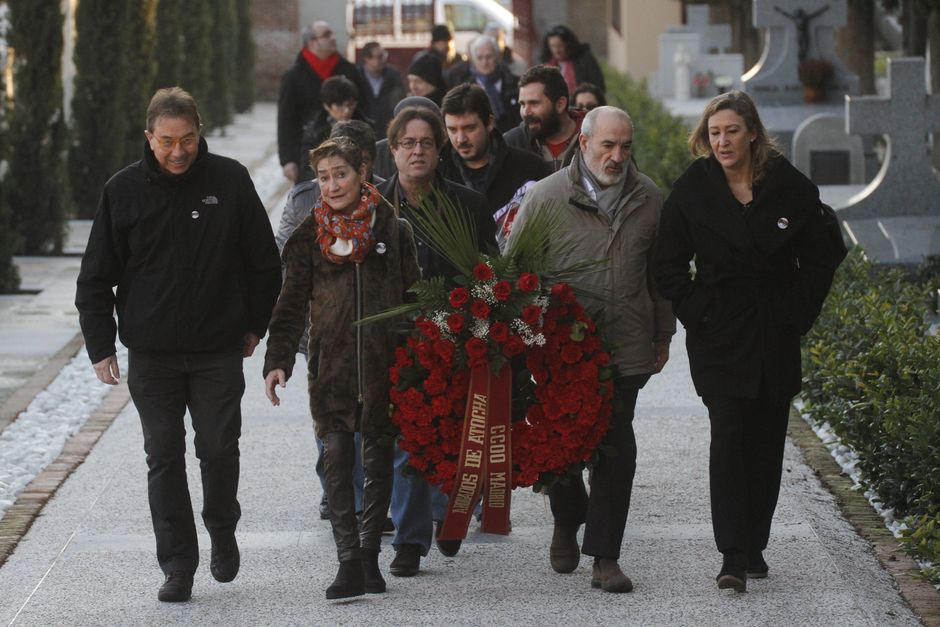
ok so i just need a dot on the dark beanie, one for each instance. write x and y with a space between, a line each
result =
428 67
440 32
417 101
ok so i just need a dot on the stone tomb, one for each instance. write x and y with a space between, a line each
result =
797 30
697 38
896 218
824 152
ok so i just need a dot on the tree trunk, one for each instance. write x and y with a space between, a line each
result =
744 37
914 24
856 43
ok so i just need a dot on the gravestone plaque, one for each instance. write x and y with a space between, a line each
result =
828 155
829 167
797 30
896 218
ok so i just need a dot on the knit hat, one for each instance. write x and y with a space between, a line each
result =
428 67
417 101
440 32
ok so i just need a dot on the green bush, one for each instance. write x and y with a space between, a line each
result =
138 90
244 59
196 71
873 374
220 105
660 141
168 45
9 275
35 185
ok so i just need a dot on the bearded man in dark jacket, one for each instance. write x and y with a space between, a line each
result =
185 239
299 99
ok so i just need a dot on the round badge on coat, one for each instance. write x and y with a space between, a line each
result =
782 223
194 214
380 248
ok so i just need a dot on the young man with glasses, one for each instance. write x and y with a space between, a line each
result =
184 238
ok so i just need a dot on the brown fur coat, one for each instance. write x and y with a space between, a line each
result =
332 293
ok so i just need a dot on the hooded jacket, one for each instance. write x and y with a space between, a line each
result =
192 257
634 315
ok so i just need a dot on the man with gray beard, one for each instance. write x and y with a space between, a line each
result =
609 211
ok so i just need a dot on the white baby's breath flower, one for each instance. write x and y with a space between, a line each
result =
440 319
480 328
484 291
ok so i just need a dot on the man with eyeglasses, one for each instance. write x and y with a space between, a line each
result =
184 238
416 136
385 87
299 99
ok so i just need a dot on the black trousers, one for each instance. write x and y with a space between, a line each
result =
745 463
210 385
604 511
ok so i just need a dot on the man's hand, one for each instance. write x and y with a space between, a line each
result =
248 347
661 350
278 377
108 370
290 171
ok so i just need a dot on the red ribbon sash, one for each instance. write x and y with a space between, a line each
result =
485 464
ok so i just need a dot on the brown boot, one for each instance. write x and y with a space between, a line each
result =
565 552
608 576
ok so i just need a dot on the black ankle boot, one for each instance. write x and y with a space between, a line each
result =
374 582
349 582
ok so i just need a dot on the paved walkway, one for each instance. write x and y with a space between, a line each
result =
89 559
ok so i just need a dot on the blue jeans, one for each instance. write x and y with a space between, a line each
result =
357 470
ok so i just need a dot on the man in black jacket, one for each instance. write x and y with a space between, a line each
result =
415 137
385 86
477 155
185 239
299 100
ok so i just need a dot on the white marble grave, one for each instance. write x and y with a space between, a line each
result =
824 135
896 218
796 30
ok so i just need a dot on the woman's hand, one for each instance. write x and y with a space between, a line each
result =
278 377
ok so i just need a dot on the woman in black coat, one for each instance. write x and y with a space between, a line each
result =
764 250
562 49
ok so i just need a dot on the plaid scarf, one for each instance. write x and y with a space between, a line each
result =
352 232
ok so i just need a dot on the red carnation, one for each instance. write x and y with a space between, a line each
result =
571 353
459 297
502 290
428 329
528 282
455 322
499 332
476 352
563 292
513 346
482 272
480 309
531 314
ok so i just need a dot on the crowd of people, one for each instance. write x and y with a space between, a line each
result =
183 238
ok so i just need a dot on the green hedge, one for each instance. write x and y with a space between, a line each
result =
660 141
873 374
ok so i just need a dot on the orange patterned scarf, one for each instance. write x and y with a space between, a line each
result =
353 231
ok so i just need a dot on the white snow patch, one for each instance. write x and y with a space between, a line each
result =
37 436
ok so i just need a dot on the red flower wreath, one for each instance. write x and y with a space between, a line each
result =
561 401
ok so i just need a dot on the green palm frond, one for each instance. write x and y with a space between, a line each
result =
448 229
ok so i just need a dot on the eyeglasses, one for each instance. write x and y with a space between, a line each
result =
409 143
168 143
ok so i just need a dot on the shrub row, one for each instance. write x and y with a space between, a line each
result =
872 372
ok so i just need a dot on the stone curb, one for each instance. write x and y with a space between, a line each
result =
19 518
922 597
20 400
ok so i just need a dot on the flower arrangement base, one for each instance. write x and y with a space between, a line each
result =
484 467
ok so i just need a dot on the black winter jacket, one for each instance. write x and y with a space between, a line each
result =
192 257
508 170
380 109
299 101
761 275
432 264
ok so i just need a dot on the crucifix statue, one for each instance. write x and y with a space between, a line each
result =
802 19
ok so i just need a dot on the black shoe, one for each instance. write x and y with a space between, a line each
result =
375 583
178 587
225 558
388 528
756 566
448 548
733 574
324 509
407 560
349 581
